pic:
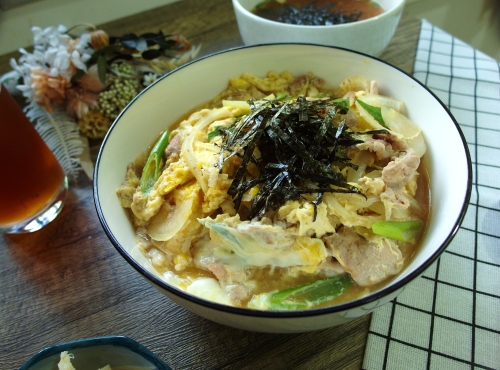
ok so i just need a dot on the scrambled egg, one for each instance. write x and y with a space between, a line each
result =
302 215
126 191
176 174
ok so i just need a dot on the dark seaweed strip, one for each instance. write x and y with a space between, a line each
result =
296 145
345 161
333 178
303 116
337 135
257 163
372 132
271 134
340 151
263 200
279 198
249 131
321 133
295 152
350 142
279 166
249 136
280 155
245 122
222 159
241 144
245 186
246 159
292 160
314 204
323 190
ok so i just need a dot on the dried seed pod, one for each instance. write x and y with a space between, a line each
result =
94 125
99 39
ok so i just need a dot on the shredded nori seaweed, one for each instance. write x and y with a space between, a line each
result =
301 148
310 15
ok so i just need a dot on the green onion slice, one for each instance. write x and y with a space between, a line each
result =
309 295
151 171
214 133
399 230
376 112
343 102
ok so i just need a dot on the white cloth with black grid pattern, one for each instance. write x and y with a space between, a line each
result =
449 318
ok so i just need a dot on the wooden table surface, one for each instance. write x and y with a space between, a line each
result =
67 282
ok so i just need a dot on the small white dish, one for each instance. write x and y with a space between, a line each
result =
170 98
370 36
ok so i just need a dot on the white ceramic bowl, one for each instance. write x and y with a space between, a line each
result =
189 86
370 36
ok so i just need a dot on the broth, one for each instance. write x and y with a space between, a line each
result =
317 12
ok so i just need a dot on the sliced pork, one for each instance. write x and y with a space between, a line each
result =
368 262
401 170
173 147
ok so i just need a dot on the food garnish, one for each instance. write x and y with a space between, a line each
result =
302 148
151 171
376 112
216 132
399 230
304 296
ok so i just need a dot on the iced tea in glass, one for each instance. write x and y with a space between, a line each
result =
33 185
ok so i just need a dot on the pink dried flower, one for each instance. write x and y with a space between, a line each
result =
80 101
90 80
49 87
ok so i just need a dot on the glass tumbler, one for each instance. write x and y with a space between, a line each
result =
33 186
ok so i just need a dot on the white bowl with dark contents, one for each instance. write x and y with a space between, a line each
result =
370 36
170 99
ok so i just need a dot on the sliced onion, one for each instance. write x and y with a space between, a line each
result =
383 101
418 143
237 104
187 150
244 105
362 161
355 83
377 207
399 123
170 220
372 122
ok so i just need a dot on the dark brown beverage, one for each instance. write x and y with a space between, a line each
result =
31 175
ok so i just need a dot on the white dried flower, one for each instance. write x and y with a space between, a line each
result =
149 78
54 52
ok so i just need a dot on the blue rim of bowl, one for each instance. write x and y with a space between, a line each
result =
298 313
385 14
113 340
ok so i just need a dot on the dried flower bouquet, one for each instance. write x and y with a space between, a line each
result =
75 86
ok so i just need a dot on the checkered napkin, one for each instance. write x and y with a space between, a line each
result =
449 318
